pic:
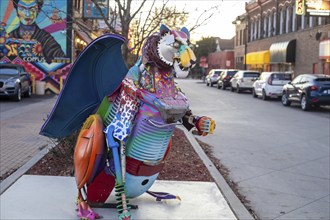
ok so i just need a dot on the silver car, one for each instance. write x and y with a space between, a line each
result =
14 81
243 80
212 77
270 84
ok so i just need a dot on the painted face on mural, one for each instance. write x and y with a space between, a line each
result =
27 11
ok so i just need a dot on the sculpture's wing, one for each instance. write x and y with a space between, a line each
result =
97 72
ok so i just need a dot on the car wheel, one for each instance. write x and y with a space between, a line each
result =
207 84
305 106
238 90
211 84
218 86
264 96
29 92
223 87
18 96
232 89
254 93
285 101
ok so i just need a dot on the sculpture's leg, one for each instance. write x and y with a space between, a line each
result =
122 201
84 211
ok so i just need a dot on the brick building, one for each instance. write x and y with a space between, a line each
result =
271 36
223 57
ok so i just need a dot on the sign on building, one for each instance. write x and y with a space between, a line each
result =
318 7
100 10
300 7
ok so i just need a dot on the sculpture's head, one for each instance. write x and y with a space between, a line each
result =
170 49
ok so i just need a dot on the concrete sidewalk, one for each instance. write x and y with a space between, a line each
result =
51 197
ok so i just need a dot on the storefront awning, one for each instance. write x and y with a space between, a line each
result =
324 49
260 57
283 52
83 36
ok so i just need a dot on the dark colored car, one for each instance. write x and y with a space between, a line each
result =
308 90
14 81
223 80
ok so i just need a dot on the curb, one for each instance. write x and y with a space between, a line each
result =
10 180
233 201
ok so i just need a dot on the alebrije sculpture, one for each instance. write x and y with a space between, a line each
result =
130 117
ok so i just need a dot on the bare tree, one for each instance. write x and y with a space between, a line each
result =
143 26
137 23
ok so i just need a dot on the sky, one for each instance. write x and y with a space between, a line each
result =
219 25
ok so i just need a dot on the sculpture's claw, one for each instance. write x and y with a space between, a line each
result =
125 216
85 212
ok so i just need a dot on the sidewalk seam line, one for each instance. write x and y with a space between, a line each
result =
233 201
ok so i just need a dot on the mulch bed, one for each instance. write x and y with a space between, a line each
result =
182 164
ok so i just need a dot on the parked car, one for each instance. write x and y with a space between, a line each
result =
223 81
308 90
211 78
270 84
14 81
243 80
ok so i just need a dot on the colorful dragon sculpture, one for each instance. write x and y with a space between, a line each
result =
130 117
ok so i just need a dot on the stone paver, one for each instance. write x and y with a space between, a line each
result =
19 136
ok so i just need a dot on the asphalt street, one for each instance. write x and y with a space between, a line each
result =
278 156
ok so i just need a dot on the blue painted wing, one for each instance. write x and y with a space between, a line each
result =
97 72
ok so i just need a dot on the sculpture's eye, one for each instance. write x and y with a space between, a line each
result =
144 182
176 45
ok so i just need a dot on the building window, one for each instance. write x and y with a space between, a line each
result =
298 23
259 28
303 22
270 25
241 33
251 31
265 26
312 21
326 20
255 30
77 4
294 19
288 20
307 21
274 23
281 21
284 20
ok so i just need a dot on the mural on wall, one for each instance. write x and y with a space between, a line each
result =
33 34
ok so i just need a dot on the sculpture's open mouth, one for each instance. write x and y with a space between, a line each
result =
181 72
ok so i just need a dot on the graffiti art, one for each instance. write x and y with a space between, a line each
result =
33 33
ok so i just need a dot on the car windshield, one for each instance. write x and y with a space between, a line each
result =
251 74
281 76
8 71
217 73
231 73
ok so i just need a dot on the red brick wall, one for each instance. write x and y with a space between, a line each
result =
221 60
